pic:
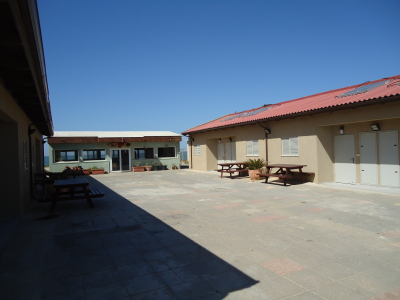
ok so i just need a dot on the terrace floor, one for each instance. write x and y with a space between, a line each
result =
182 234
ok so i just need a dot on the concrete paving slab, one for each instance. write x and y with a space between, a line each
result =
192 235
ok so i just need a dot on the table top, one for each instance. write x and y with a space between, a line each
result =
287 166
233 163
71 182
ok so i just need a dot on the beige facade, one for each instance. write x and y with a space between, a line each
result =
16 165
315 135
24 105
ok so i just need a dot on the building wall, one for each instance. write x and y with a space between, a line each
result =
15 184
208 141
59 166
315 132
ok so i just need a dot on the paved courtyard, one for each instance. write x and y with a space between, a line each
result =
182 234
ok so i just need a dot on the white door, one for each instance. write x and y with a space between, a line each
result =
230 152
221 154
345 169
368 158
389 158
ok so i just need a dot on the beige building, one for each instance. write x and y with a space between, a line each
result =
24 105
349 135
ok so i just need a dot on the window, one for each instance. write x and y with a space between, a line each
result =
94 154
196 149
252 148
142 153
65 155
166 152
290 146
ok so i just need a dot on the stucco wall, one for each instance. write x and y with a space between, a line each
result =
14 178
59 166
208 141
315 132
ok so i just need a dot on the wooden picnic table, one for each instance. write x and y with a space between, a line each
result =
285 171
72 189
233 167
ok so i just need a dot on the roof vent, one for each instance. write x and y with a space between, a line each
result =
364 88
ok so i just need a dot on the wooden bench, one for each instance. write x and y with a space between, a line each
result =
65 195
231 171
280 176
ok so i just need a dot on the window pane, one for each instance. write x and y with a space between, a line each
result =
294 146
166 152
285 147
249 147
98 154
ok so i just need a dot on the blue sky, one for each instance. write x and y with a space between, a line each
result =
171 65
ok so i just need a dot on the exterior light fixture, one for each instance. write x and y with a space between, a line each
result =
31 131
267 131
219 140
170 140
230 139
192 139
62 140
341 129
375 127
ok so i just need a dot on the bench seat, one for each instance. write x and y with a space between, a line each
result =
280 176
64 195
230 171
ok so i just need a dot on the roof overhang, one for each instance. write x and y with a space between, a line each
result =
22 65
82 140
369 102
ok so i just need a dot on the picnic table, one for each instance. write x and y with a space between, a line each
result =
233 167
71 189
285 171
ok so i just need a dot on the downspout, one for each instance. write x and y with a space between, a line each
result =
43 142
267 131
191 152
30 132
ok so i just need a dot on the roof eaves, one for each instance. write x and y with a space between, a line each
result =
364 102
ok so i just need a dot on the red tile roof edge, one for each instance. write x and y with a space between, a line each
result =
395 80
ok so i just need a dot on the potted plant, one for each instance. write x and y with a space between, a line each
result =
96 170
163 167
138 168
156 165
86 171
254 166
147 166
174 167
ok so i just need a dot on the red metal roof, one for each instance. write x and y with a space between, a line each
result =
335 98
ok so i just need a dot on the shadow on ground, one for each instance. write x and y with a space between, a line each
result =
116 250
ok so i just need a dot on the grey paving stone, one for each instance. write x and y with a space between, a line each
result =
106 291
279 288
158 294
61 286
135 270
99 278
127 259
337 291
308 279
334 270
305 296
229 281
194 289
143 284
96 265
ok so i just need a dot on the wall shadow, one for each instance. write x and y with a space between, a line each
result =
148 256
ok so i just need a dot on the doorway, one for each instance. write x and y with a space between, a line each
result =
344 150
226 152
120 160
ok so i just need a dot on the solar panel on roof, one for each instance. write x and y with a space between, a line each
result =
252 113
364 88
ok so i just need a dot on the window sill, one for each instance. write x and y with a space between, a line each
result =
290 155
252 155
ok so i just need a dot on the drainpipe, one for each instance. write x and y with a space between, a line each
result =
30 132
191 151
267 131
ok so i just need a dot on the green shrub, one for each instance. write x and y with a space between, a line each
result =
255 164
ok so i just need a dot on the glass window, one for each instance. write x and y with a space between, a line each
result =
143 153
290 146
196 149
94 154
166 152
252 148
65 155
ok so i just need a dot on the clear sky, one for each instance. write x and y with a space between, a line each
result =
171 65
